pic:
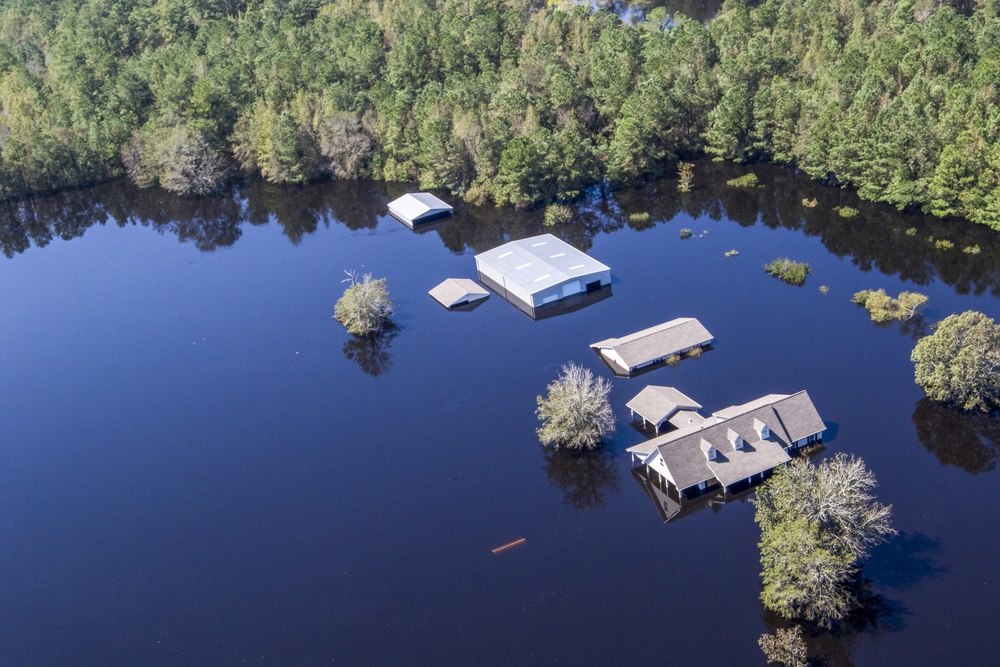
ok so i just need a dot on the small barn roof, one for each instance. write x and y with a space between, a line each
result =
656 403
655 342
419 206
458 291
540 262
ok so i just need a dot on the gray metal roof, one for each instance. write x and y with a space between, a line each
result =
414 206
659 341
656 403
455 291
537 263
788 417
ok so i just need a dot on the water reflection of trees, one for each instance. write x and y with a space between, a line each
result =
879 238
587 479
371 353
902 563
970 441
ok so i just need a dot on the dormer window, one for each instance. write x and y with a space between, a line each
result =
762 430
710 452
735 439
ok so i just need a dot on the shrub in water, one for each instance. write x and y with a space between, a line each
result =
793 273
883 307
686 233
558 214
365 307
576 412
732 253
943 244
847 211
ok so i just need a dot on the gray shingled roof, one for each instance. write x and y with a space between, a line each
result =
656 403
656 342
458 291
788 417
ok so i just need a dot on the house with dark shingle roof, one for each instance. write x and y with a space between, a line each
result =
733 448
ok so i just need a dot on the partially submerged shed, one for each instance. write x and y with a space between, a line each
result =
417 208
654 345
541 270
458 292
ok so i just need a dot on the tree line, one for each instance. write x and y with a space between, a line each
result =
502 101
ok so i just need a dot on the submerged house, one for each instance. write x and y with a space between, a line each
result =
418 208
539 271
649 347
734 448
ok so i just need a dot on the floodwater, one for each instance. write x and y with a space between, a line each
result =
200 467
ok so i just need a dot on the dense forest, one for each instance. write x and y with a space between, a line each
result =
501 100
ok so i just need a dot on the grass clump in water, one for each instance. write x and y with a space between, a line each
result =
846 211
793 273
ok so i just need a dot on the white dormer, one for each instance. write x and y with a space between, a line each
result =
762 430
735 439
710 452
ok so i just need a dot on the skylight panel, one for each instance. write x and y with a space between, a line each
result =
541 278
506 254
578 266
558 254
523 266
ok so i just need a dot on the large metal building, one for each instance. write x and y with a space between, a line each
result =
540 270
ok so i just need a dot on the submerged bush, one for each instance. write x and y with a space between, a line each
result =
732 253
695 352
746 181
786 647
365 307
672 360
943 244
576 413
558 214
972 250
686 233
846 211
793 273
883 307
809 203
640 218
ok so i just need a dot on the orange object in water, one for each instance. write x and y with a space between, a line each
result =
508 545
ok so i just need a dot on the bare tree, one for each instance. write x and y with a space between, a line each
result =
576 413
346 143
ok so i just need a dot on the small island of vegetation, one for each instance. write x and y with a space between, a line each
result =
791 272
883 308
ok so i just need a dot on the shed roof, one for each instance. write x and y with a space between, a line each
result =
540 262
415 206
458 291
658 341
656 403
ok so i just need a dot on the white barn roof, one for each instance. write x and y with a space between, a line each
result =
540 262
417 207
457 292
